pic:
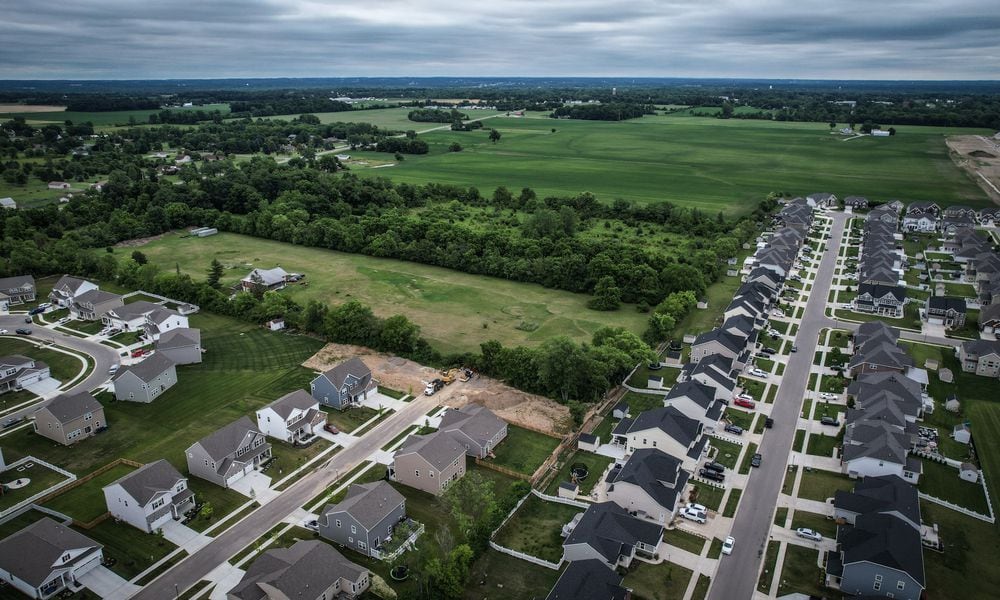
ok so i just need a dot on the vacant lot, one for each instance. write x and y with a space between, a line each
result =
455 311
709 163
524 450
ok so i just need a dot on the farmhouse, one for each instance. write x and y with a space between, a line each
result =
343 386
981 357
94 304
229 454
365 518
946 310
150 496
606 532
181 345
650 484
16 290
266 279
146 380
70 418
45 558
475 427
429 462
309 570
293 418
18 371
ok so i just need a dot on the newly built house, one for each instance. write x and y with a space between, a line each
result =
150 496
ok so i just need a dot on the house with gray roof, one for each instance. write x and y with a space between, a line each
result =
650 484
922 206
989 318
150 496
879 299
981 357
822 199
666 429
607 533
343 386
475 427
888 494
293 418
429 462
16 290
145 380
698 401
945 310
70 418
17 371
875 447
874 331
365 518
924 222
879 556
267 279
856 202
94 304
153 320
719 341
45 558
181 345
715 371
589 580
229 454
65 291
878 357
308 570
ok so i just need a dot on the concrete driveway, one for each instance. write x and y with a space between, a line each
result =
254 485
43 387
183 536
107 584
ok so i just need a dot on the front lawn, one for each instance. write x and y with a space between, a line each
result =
596 465
733 502
816 522
740 417
822 445
728 452
86 501
87 327
134 551
536 528
523 450
349 419
770 562
820 485
63 367
223 501
942 481
800 573
710 496
665 581
682 539
287 457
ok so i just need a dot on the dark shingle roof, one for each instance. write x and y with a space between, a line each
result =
31 553
612 532
149 480
588 580
299 399
887 493
355 366
149 368
477 422
67 407
303 570
368 503
671 421
439 449
946 303
883 540
699 393
655 472
179 338
227 439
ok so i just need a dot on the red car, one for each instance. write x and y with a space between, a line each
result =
745 403
138 353
331 428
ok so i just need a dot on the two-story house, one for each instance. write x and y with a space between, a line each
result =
879 357
589 580
365 518
666 429
946 310
70 418
878 556
229 454
429 462
151 319
45 558
65 291
698 401
18 371
146 380
651 484
981 357
887 300
292 418
343 386
150 496
921 222
606 532
94 304
181 345
16 290
475 427
308 570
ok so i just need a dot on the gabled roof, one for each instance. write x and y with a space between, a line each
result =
884 540
142 308
981 347
227 440
612 532
884 494
31 553
302 571
655 472
878 291
881 353
68 284
181 337
439 448
875 329
876 439
96 297
476 422
946 303
729 341
148 368
354 367
855 200
268 276
588 580
367 503
68 407
149 480
18 282
699 393
990 312
299 399
671 421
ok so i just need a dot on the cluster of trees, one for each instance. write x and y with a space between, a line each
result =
109 102
286 105
436 115
403 145
612 111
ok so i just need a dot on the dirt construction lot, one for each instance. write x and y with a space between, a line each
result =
512 405
980 156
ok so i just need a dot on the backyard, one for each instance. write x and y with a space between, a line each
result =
41 478
86 501
535 528
665 581
523 450
596 465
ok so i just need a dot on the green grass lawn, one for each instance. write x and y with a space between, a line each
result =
349 419
800 573
740 417
535 528
941 481
21 521
701 588
638 403
800 438
86 502
780 515
456 311
822 445
595 463
604 429
728 452
88 327
134 550
287 458
41 478
63 367
733 502
770 563
816 522
682 539
665 581
490 576
820 485
747 457
523 450
967 567
708 495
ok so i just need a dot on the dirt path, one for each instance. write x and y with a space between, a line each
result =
405 375
979 156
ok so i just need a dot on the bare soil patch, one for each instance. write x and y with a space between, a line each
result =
980 157
30 108
514 406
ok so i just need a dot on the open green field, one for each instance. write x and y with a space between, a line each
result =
456 311
101 119
386 118
726 165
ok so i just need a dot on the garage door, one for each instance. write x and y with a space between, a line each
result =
935 321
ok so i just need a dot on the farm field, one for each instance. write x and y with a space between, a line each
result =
101 120
456 311
712 164
386 118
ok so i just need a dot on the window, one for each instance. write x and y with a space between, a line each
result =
878 578
430 474
900 585
88 416
354 529
361 545
158 503
66 557
416 473
877 586
338 522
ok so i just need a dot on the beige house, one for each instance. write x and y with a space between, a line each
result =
981 357
429 462
70 418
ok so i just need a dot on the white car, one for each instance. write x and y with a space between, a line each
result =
727 546
745 396
809 534
697 507
4 332
828 396
694 515
758 373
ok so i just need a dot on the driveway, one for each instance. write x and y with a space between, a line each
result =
107 584
43 387
183 536
254 485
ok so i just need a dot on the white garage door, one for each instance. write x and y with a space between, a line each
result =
935 321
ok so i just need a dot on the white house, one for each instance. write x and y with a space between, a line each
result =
152 319
150 496
650 484
666 429
46 557
292 418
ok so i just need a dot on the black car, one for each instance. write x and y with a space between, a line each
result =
829 421
28 320
755 461
769 350
769 422
795 348
734 429
11 422
36 311
718 468
23 331
712 475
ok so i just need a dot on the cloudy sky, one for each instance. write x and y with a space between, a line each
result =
827 39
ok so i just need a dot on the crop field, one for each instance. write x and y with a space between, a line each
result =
99 119
386 118
456 311
712 164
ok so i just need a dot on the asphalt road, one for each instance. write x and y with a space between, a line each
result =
196 566
104 356
736 577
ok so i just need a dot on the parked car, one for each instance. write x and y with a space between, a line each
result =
734 429
331 428
745 396
769 351
829 421
727 546
28 320
809 534
711 475
23 331
4 332
758 373
36 311
12 421
828 396
795 348
745 403
756 460
768 422
694 515
312 525
697 507
113 369
138 352
717 467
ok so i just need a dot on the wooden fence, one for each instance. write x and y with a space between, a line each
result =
86 478
504 470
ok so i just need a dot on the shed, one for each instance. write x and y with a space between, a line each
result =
655 382
589 442
952 404
568 489
276 324
8 202
945 375
931 364
962 433
620 410
703 304
689 338
968 472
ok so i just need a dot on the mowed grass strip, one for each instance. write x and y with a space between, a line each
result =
456 311
536 527
86 502
523 450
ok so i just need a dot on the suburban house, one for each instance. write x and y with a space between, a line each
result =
152 319
981 357
16 290
874 447
884 213
889 495
365 518
70 418
650 484
856 202
150 496
923 222
905 393
606 532
18 371
959 210
878 357
989 318
68 288
878 556
475 427
666 429
266 279
766 276
880 299
946 310
698 401
722 342
950 225
715 371
343 386
989 216
429 462
145 380
45 558
181 345
920 207
227 455
589 580
874 331
292 418
308 570
822 199
92 305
